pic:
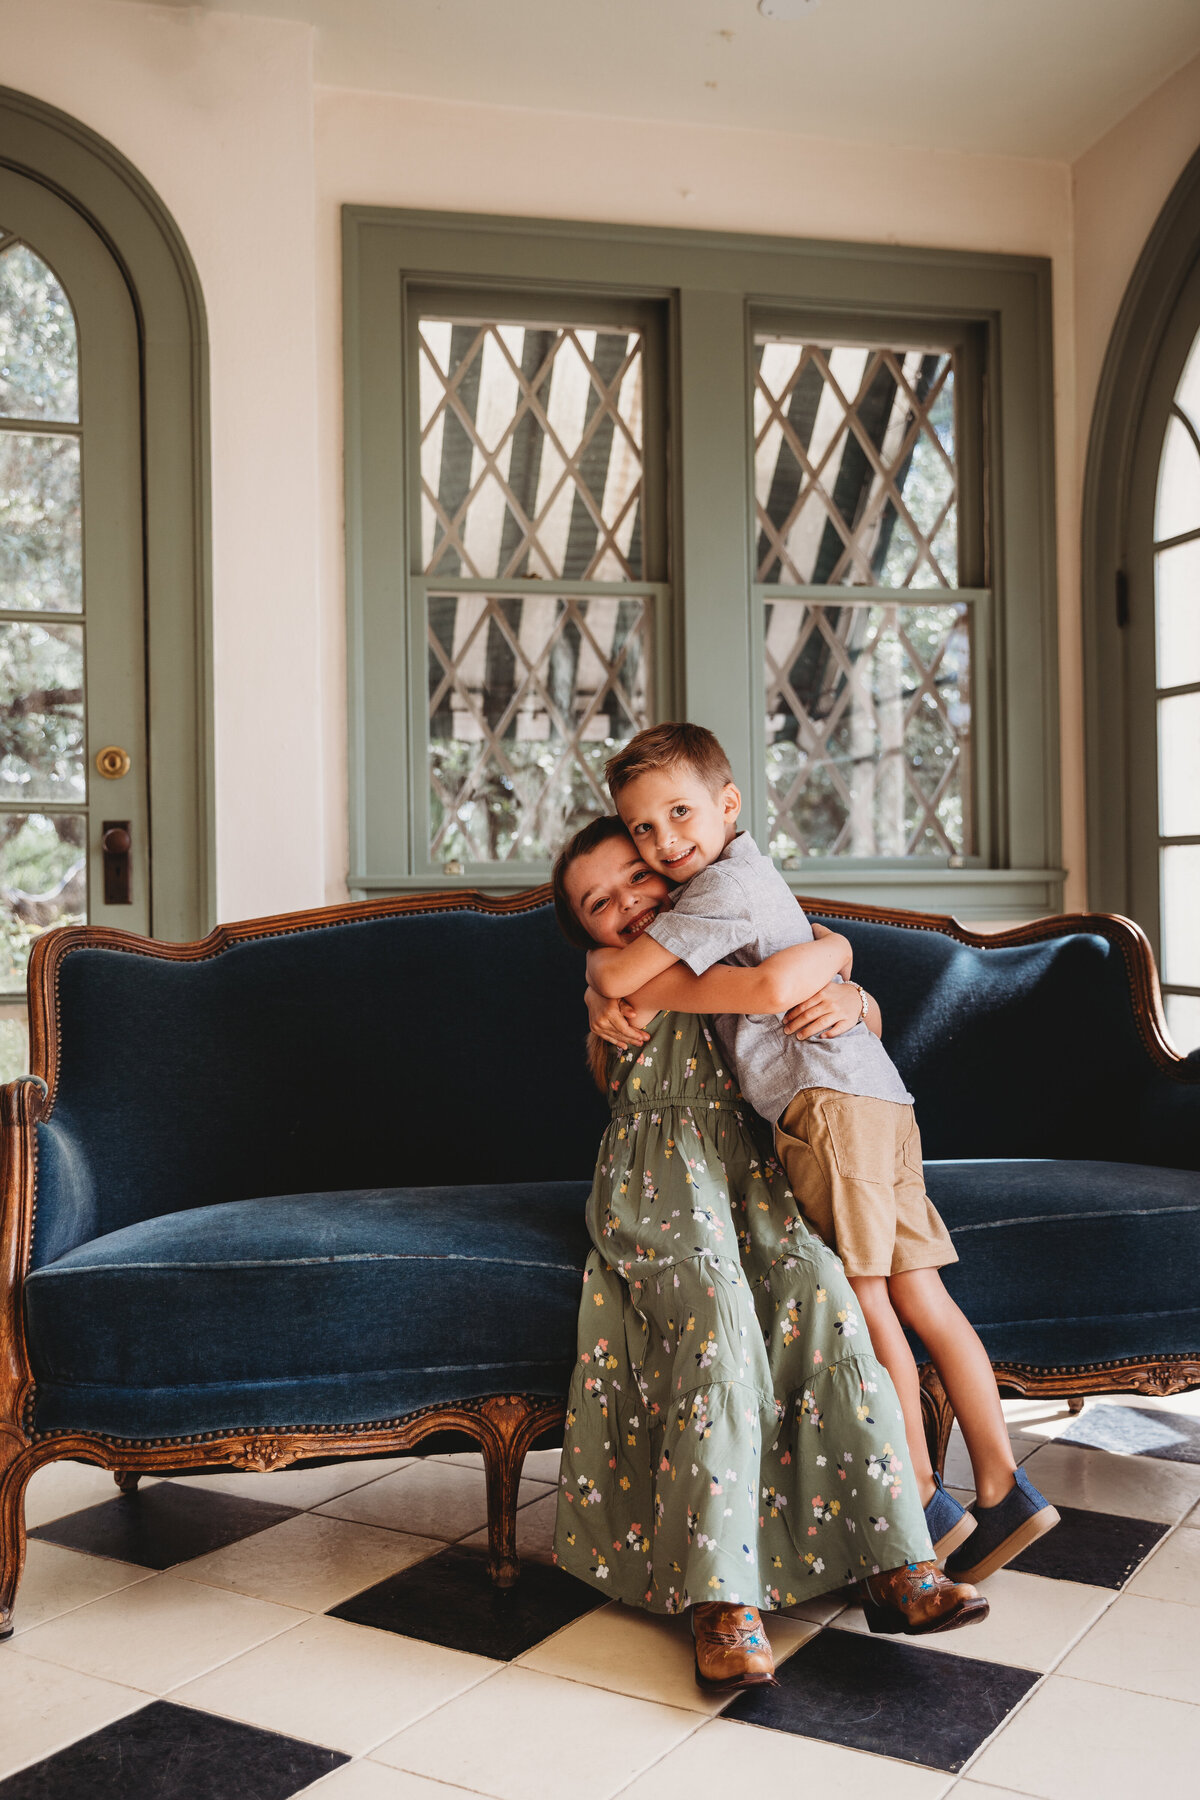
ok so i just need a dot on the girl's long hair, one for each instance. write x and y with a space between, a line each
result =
597 832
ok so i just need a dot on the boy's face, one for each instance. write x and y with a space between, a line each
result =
678 825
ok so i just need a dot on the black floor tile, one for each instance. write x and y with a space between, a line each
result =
167 1752
450 1599
1136 1431
162 1525
1101 1548
893 1699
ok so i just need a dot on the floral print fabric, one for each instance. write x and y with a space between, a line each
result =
730 1435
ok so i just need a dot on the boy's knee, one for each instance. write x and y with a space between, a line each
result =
916 1293
871 1292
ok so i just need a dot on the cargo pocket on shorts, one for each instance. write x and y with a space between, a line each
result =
911 1151
863 1137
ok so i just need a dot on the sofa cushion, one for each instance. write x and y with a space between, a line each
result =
310 1309
1073 1262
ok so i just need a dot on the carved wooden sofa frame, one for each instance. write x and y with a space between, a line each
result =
505 1426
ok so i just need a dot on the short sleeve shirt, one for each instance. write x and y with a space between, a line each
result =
741 910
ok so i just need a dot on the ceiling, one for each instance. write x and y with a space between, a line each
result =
1041 78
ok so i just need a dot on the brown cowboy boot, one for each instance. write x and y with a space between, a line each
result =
917 1598
731 1646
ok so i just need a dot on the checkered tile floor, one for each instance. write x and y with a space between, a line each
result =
333 1632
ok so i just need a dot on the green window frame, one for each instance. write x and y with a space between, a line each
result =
712 291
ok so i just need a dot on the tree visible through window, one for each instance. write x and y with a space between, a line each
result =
43 863
868 699
532 470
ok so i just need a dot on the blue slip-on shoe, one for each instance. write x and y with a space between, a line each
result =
947 1523
1003 1531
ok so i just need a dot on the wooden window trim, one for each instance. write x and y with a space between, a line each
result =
713 285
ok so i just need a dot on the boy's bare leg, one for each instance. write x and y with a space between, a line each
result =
891 1347
921 1301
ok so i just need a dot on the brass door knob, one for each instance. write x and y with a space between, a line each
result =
112 762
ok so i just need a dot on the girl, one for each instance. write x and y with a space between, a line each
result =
731 1442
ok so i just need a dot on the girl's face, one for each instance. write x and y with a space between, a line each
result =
613 894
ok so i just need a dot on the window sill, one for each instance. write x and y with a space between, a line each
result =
992 894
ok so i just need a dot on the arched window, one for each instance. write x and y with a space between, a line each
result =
1177 684
1141 561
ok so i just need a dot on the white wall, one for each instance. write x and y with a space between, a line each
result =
216 112
220 114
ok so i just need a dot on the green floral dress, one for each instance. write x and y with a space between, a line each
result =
730 1435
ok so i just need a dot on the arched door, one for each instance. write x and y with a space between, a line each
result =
72 594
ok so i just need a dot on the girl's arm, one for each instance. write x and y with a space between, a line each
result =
834 1010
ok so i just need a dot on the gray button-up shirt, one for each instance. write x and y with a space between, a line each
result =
741 910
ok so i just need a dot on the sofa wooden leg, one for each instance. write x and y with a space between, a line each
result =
509 1426
938 1415
14 1476
127 1480
1076 1403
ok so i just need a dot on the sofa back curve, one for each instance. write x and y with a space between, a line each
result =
408 1050
1025 1050
426 1048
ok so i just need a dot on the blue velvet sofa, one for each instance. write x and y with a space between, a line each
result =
314 1186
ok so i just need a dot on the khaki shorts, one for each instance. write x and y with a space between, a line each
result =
854 1165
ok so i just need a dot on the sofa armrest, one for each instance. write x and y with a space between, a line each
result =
21 1104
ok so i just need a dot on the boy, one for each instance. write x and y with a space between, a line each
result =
844 1126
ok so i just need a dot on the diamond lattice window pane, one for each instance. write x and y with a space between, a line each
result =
532 451
868 730
528 698
854 466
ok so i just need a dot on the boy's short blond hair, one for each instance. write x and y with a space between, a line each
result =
671 746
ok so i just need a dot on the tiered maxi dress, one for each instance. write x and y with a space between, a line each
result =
730 1435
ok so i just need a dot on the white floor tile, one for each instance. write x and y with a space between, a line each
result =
45 1707
1024 1415
1187 1404
1173 1571
958 1472
1072 1740
371 1781
1139 1487
521 1735
299 1487
67 1487
56 1581
542 1465
157 1634
1032 1623
976 1790
337 1684
539 1465
729 1758
819 1611
427 1499
310 1561
535 1530
1152 1646
632 1652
